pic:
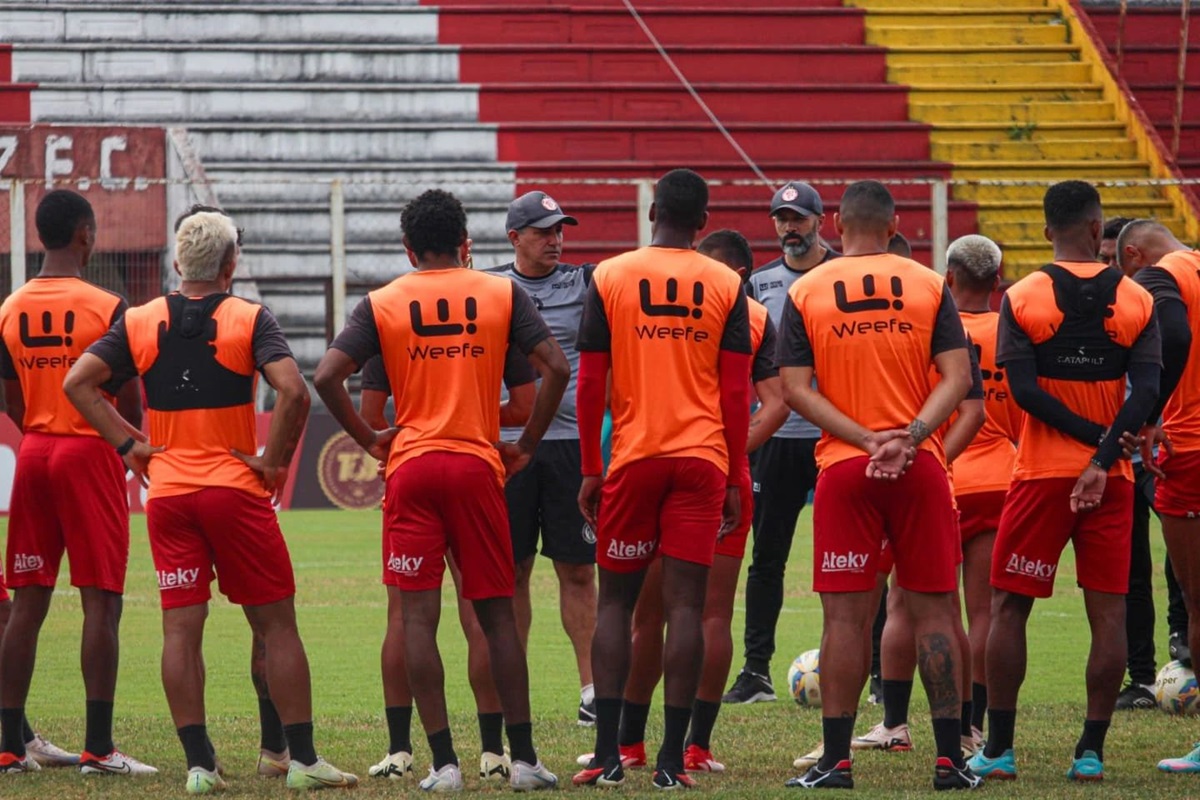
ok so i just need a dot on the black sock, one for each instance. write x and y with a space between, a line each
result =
491 732
300 743
1094 731
838 731
399 722
759 667
965 720
270 727
194 739
520 742
675 725
633 723
443 749
608 723
978 704
704 717
12 739
1001 727
98 739
949 745
26 731
896 695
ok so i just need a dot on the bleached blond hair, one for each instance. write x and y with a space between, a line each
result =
977 255
204 243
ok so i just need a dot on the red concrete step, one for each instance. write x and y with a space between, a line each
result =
1156 63
829 178
699 141
641 63
1158 100
671 102
15 102
676 25
584 252
5 63
1143 25
617 219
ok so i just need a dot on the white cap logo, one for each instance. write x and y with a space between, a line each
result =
789 194
549 204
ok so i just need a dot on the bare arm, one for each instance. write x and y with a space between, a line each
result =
14 403
330 381
807 401
129 402
955 369
371 404
551 363
82 387
290 414
970 419
771 414
517 410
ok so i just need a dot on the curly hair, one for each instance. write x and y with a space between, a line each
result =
434 223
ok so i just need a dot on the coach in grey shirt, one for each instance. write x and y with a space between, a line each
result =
785 467
542 498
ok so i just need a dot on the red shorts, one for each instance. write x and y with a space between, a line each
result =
979 512
1179 494
853 516
68 494
1036 525
229 529
670 506
3 589
447 500
734 545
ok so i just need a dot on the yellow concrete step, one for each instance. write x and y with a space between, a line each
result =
882 5
1052 150
1003 212
1012 113
946 132
996 74
932 13
887 34
975 94
981 54
1052 170
1032 194
1030 230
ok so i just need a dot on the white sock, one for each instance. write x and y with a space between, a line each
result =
587 694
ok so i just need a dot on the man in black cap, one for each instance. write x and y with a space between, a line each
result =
542 497
784 468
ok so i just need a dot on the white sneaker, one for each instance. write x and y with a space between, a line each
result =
48 754
493 767
396 766
272 764
321 775
895 739
10 763
203 781
446 779
531 778
810 760
115 763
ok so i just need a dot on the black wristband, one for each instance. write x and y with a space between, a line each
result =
126 446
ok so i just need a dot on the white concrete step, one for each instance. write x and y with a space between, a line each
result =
349 142
375 263
244 183
294 102
105 62
194 23
372 223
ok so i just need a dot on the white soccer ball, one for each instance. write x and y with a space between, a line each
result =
804 679
1176 690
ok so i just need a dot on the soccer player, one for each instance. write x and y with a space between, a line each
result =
1108 241
730 248
784 468
444 333
1171 272
209 509
542 498
872 328
674 328
44 326
494 764
1067 336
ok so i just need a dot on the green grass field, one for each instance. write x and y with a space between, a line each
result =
341 608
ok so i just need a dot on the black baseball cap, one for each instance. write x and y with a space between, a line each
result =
799 197
536 209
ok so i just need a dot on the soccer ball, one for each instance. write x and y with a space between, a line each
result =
1176 691
804 679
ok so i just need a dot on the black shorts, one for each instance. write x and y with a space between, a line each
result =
543 498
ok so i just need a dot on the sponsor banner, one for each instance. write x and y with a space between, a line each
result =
333 471
10 441
110 166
